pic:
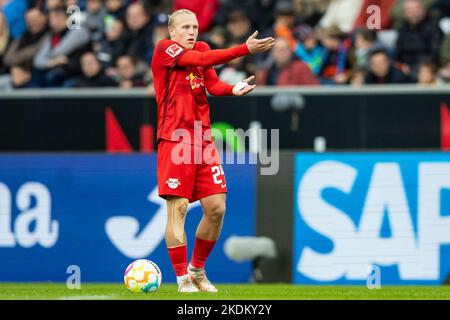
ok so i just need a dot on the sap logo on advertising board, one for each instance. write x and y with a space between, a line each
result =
414 245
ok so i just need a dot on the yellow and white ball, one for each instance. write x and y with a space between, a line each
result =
142 276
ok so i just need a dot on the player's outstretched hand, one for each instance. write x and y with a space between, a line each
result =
243 87
259 45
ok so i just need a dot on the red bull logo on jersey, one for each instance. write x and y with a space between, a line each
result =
196 82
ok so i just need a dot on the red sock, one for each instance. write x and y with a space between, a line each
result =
202 249
178 257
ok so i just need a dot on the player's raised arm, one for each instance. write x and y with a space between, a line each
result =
213 57
220 56
183 30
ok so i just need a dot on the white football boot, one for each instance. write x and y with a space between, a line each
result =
198 276
185 285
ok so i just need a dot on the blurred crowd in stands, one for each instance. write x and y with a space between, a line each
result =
109 43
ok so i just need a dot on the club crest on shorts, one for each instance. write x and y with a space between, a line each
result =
173 183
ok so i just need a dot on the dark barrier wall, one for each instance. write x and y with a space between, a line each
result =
348 119
70 123
275 220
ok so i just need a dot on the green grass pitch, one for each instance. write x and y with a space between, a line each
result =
59 291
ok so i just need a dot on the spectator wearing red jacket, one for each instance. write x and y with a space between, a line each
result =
205 11
283 69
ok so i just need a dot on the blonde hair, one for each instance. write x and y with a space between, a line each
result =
177 13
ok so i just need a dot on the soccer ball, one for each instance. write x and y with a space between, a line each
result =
142 276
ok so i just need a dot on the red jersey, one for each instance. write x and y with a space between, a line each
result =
181 78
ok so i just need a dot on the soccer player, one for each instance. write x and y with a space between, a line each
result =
183 72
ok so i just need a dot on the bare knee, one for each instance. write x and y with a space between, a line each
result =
215 212
182 207
179 206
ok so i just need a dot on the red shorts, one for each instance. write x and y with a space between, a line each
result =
189 171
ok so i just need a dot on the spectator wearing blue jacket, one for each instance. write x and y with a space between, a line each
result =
14 12
335 62
308 48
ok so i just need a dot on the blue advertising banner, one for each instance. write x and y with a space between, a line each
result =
367 217
101 212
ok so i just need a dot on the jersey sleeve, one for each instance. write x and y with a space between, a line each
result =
167 53
215 86
212 82
197 58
